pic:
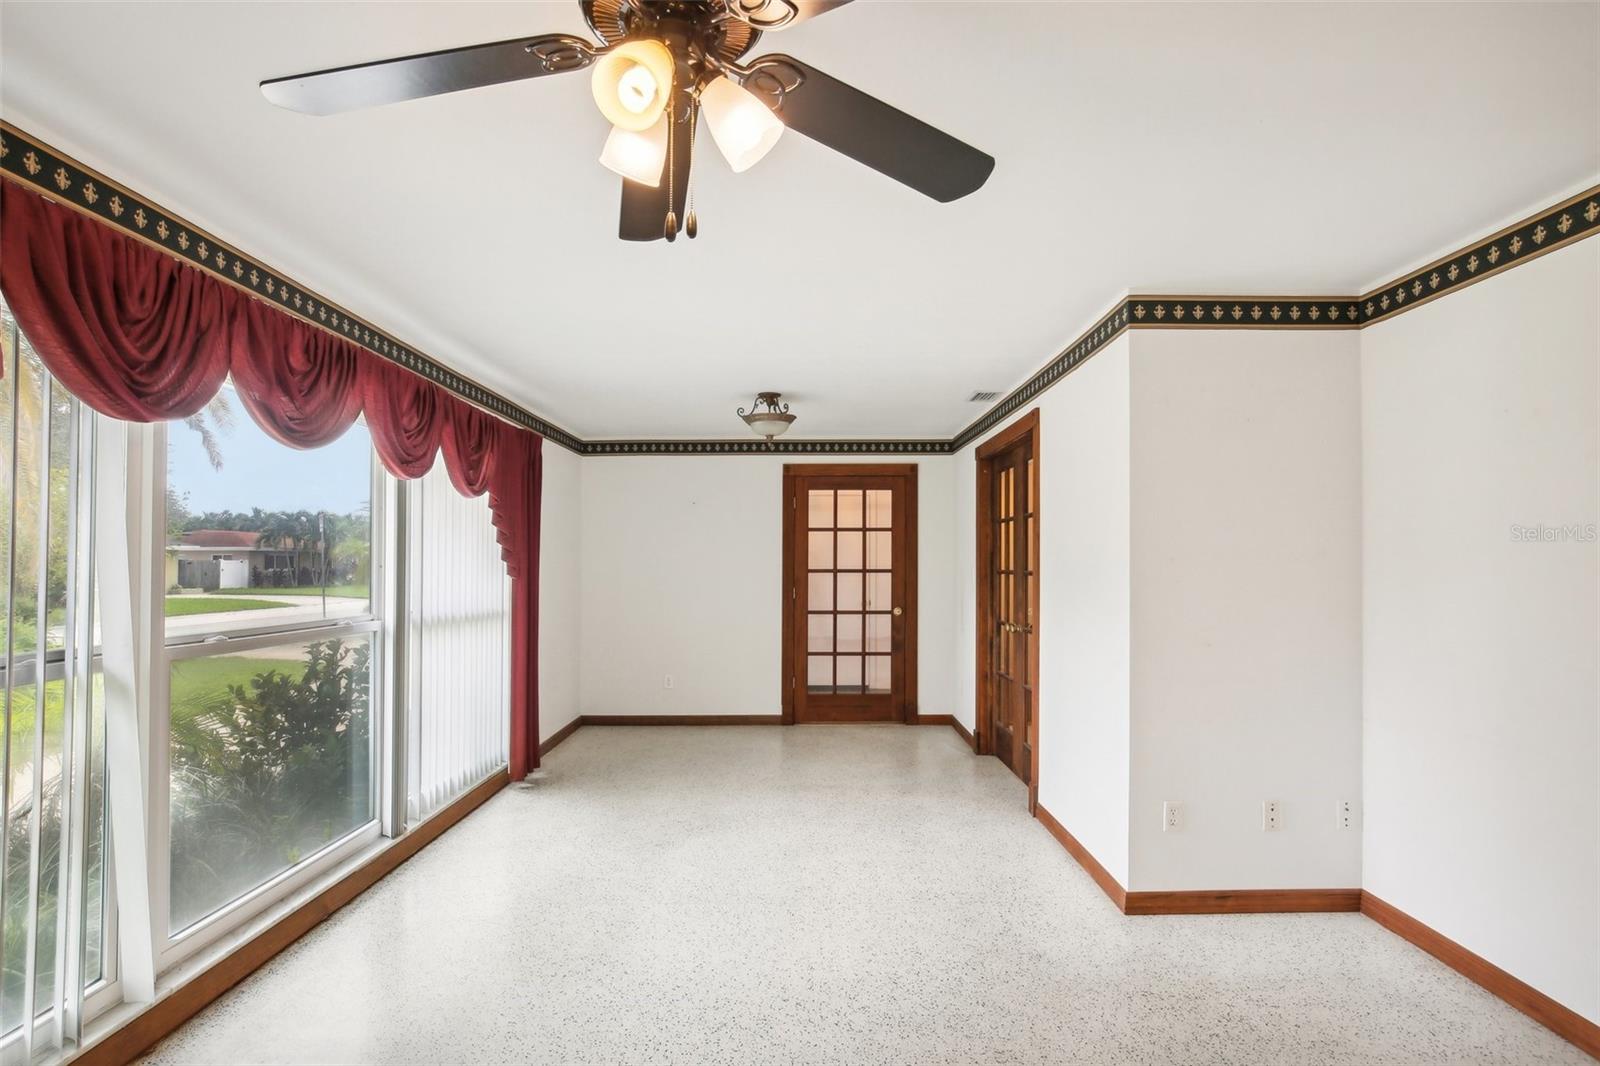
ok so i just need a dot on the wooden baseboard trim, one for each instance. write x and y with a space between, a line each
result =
1222 901
559 735
1563 1021
950 720
1245 901
1102 877
681 719
166 1014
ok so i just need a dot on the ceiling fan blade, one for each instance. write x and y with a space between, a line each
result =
644 207
388 81
769 15
866 129
644 211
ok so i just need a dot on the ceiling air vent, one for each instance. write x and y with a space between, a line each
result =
983 397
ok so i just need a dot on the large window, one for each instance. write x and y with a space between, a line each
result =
271 641
195 621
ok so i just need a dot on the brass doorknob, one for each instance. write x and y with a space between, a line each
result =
897 612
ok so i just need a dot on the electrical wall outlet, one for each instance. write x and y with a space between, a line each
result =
1270 818
1344 814
1171 816
667 681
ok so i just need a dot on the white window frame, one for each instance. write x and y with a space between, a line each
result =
172 948
80 658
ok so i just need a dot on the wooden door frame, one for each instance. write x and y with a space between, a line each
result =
792 472
1003 441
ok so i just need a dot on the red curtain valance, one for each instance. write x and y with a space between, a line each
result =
143 337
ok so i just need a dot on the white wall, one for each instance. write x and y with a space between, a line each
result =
1482 745
1273 566
1246 607
682 575
559 553
1083 602
1199 606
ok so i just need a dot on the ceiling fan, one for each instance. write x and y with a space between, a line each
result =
659 65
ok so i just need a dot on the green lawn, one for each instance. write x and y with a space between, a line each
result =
358 591
196 685
183 605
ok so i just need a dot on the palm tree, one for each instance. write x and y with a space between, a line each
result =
283 529
215 419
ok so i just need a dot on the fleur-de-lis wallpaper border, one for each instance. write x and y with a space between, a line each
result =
1103 332
1568 221
757 447
1556 227
32 163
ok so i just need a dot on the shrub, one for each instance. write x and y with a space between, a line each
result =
268 773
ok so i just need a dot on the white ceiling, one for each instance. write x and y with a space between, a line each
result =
1251 148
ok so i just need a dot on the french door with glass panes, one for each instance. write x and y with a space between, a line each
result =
850 593
1010 722
1007 672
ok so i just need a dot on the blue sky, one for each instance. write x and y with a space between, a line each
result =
257 471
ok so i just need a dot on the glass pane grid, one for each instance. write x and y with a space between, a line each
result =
849 584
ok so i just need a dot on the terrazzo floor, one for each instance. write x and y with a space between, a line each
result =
833 894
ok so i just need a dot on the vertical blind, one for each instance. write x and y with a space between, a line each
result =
458 689
52 783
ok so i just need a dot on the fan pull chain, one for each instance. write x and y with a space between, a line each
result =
670 230
692 224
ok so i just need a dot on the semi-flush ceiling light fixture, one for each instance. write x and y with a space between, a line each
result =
744 128
767 417
638 157
632 83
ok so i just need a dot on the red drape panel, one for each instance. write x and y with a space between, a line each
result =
470 442
140 336
515 489
301 385
157 329
406 416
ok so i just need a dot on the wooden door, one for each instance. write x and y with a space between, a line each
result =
850 592
1007 714
1012 565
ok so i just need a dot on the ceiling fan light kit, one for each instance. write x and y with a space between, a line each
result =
632 83
639 157
741 125
658 66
